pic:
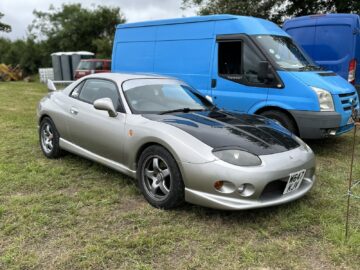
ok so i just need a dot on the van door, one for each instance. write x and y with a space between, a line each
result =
235 83
334 41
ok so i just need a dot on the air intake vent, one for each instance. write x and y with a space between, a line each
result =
327 74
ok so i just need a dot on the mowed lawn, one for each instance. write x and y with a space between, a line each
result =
72 213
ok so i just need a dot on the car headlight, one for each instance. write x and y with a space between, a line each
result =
237 157
325 99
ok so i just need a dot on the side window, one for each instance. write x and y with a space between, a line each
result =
76 91
239 62
229 63
99 65
251 64
94 89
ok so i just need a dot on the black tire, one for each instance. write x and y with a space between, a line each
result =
160 181
49 139
282 118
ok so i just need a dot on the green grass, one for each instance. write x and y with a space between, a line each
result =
72 213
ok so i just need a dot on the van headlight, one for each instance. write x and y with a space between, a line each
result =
325 99
237 157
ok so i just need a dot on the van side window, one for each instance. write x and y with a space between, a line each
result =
238 62
251 64
229 63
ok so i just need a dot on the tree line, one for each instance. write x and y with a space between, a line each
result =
274 10
69 28
73 27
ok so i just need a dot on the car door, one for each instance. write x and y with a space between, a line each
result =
92 129
235 83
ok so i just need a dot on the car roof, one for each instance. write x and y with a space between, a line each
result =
118 77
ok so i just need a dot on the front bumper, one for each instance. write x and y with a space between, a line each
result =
269 181
317 125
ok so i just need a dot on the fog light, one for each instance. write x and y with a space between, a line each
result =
241 188
246 190
218 185
224 186
332 132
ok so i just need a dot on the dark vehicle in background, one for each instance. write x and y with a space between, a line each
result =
91 66
332 40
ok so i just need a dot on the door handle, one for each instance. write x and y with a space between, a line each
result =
74 111
213 83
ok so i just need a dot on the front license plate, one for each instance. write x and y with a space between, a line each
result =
294 181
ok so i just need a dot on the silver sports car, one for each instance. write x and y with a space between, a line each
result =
175 142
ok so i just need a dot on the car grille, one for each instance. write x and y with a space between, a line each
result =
346 100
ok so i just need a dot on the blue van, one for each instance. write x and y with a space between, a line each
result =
332 40
245 64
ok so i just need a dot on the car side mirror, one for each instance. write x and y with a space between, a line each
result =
263 73
105 104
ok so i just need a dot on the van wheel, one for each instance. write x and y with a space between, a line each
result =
282 119
159 178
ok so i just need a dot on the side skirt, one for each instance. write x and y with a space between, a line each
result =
73 148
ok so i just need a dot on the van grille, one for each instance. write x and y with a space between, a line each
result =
346 100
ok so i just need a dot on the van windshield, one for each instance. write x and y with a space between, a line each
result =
287 54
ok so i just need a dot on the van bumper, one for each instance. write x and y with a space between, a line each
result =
317 125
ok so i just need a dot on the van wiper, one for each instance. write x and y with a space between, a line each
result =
185 110
310 67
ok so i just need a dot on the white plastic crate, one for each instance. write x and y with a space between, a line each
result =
46 74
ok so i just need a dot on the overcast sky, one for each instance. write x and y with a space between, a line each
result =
18 13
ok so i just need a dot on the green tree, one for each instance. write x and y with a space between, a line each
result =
267 9
30 55
307 7
275 10
73 28
4 27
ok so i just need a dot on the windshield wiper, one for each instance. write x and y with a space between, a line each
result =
310 67
184 110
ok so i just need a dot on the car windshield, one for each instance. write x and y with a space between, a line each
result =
287 54
162 96
85 65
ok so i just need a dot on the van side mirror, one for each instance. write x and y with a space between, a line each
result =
263 73
105 104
